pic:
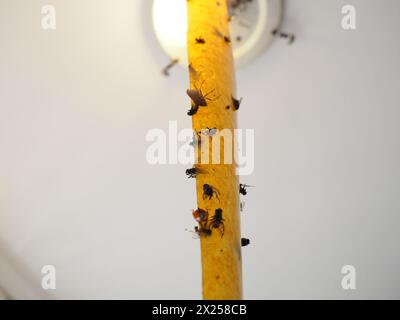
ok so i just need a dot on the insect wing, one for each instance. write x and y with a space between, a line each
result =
195 235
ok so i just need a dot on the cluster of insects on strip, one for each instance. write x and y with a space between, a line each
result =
207 224
198 97
209 219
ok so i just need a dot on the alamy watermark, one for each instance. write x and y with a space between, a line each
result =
349 278
349 17
48 20
49 278
208 146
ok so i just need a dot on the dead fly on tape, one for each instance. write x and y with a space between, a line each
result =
236 103
198 98
245 242
209 192
193 172
243 188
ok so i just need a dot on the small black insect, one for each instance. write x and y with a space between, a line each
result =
200 40
245 242
193 110
242 188
193 172
285 35
236 103
209 191
165 71
217 221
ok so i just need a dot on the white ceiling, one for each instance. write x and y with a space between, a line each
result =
76 191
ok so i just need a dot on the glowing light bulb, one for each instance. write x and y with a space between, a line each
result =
251 28
170 26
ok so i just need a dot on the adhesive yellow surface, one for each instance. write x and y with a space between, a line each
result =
211 68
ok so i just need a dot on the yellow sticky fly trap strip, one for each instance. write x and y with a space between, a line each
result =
212 86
